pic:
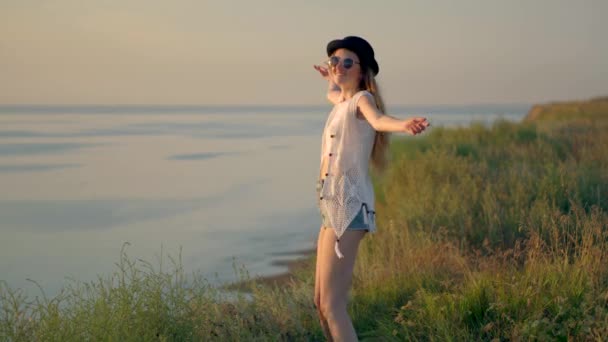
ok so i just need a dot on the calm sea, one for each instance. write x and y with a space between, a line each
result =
224 185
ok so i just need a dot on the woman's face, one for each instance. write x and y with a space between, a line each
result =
343 75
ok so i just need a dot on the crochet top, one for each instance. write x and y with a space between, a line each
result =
347 143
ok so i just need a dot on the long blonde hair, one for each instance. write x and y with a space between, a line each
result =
379 158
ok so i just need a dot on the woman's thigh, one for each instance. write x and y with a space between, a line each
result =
336 274
322 232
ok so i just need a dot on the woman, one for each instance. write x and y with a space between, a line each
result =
355 134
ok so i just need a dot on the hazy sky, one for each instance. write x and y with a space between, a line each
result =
262 52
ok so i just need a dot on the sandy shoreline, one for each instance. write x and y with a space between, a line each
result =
303 260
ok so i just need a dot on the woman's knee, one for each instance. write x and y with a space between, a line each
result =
330 308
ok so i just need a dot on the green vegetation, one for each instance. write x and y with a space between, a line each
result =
491 234
585 111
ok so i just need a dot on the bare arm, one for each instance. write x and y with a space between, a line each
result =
333 91
386 123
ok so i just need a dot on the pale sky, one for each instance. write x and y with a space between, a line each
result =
262 52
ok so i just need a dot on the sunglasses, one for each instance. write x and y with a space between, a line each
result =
347 63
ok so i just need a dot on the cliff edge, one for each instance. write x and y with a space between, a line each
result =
592 109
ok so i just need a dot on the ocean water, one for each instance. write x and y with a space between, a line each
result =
223 186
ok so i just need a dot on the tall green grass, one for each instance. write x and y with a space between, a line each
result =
491 234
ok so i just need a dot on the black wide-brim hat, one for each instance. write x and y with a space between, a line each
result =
360 47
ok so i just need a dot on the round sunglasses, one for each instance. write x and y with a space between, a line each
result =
347 63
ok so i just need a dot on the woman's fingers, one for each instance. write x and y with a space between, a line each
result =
321 69
413 129
417 125
422 121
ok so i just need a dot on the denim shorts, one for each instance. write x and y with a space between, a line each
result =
356 224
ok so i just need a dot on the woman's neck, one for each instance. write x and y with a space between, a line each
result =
348 93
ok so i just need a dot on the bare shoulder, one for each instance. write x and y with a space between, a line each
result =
366 102
366 105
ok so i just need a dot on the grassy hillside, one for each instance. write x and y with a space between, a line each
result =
590 110
484 234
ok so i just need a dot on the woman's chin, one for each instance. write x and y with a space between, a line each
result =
341 80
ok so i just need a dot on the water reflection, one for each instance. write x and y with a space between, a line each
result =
200 156
17 168
19 149
70 215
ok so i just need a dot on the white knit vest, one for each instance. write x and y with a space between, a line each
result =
347 143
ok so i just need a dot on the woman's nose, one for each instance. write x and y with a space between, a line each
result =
340 67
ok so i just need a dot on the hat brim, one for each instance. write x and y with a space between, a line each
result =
346 44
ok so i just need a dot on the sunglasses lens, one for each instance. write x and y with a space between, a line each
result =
348 63
333 61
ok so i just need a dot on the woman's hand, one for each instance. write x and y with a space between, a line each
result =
333 91
416 125
323 71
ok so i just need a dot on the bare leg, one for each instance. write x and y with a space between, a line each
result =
336 280
324 325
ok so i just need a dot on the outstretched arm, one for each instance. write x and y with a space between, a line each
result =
386 123
333 91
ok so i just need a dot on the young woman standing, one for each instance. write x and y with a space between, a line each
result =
354 137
